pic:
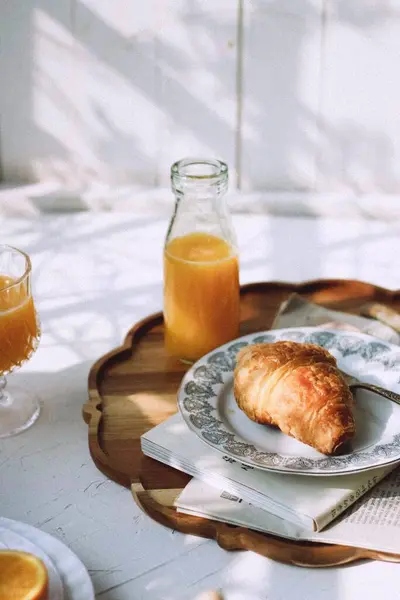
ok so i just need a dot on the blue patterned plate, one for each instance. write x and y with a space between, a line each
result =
208 406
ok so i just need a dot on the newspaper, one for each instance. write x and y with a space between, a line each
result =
311 502
373 522
298 312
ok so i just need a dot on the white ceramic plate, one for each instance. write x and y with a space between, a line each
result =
207 404
75 578
9 540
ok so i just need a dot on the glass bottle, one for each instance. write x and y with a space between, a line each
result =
201 266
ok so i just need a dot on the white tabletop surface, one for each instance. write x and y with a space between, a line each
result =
95 275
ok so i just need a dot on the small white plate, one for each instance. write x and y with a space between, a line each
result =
10 540
208 406
75 578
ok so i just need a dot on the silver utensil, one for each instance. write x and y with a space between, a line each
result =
354 383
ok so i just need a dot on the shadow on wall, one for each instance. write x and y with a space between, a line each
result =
98 103
99 100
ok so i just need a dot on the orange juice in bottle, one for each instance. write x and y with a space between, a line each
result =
201 267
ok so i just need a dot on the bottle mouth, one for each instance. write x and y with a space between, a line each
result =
195 169
199 175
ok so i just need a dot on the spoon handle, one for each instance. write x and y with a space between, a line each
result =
378 390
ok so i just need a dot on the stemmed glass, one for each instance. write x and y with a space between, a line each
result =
19 338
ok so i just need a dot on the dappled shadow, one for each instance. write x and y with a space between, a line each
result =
81 136
86 310
95 276
111 282
99 99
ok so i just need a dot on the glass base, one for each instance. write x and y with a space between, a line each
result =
18 411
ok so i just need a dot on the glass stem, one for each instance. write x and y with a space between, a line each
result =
3 395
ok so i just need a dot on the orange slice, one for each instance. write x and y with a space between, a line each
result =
23 576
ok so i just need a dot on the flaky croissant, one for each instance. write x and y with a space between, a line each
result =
298 388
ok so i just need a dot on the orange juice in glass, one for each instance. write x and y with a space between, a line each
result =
201 267
18 324
19 336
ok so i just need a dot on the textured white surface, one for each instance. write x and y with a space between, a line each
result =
95 275
51 197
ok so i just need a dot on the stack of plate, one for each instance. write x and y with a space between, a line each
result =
68 578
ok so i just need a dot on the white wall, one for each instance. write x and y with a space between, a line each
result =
293 94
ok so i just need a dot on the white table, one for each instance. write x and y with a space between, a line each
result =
95 275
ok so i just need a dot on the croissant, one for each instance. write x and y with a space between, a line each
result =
298 388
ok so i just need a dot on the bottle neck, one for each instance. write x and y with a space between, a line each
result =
201 202
208 214
199 187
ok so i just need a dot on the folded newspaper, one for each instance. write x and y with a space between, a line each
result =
298 312
372 522
310 503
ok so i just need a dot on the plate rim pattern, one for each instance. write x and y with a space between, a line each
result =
201 384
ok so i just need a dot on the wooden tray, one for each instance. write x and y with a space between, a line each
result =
134 387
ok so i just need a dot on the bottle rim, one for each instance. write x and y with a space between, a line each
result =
199 169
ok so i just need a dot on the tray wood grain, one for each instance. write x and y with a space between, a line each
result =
133 388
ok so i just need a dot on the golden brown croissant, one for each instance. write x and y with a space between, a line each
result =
298 388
